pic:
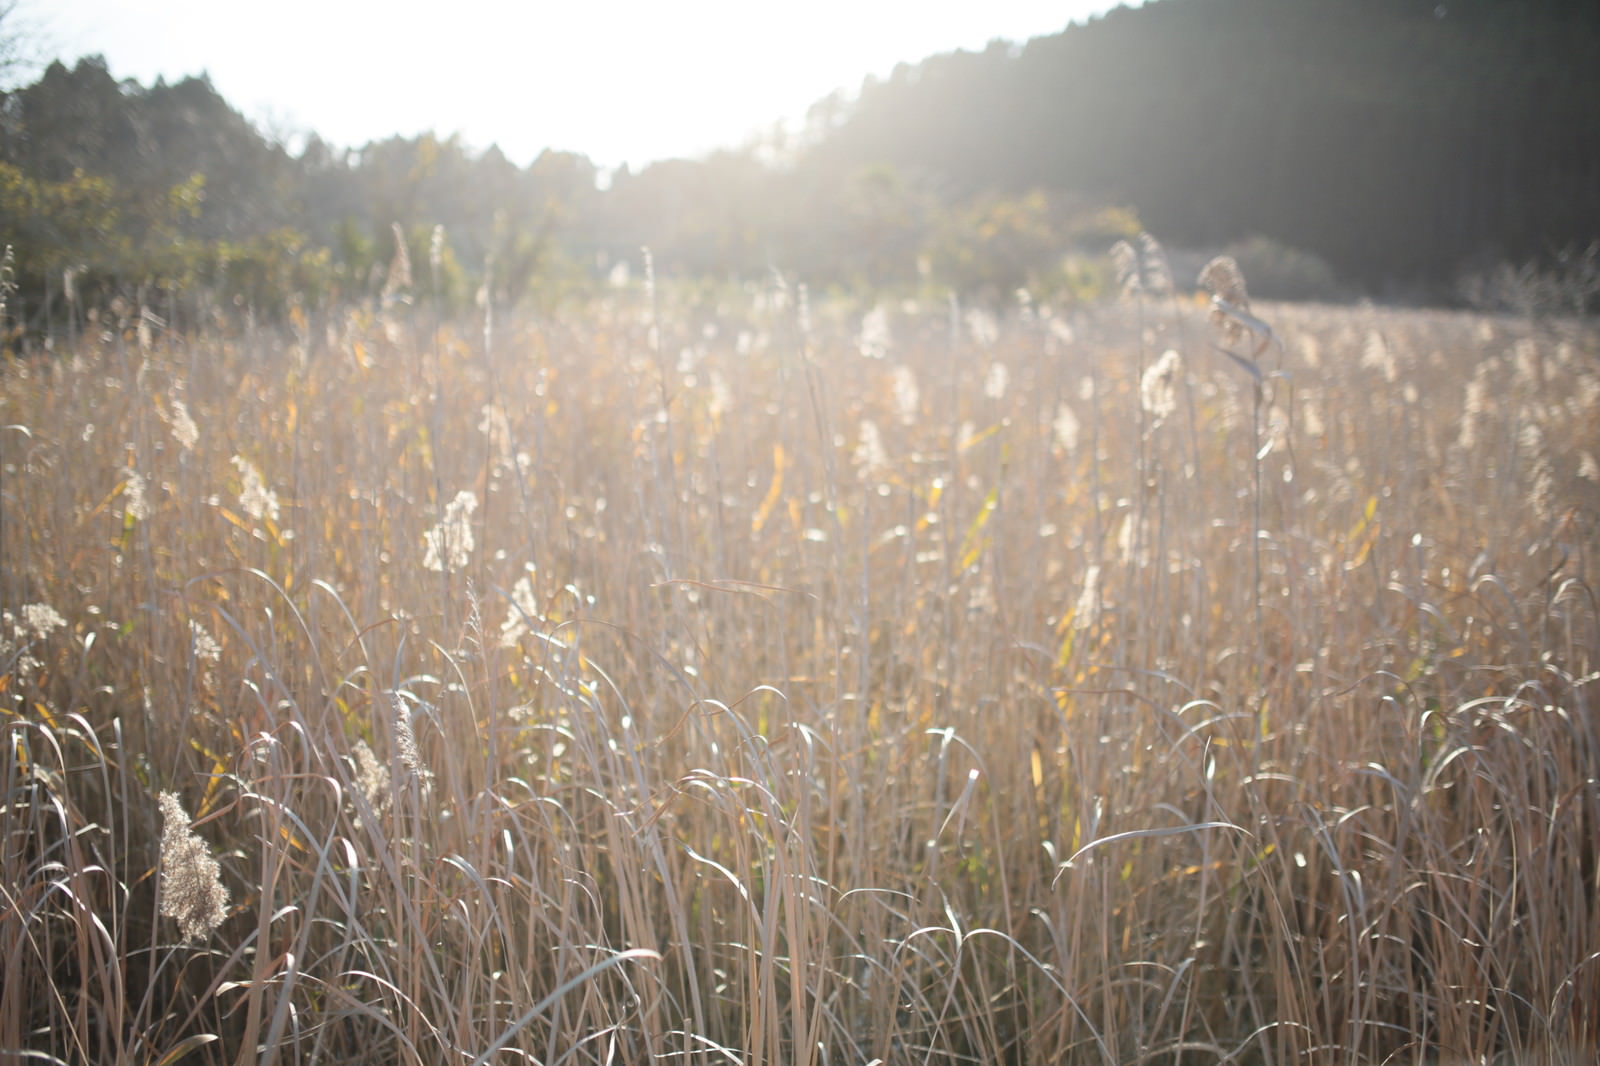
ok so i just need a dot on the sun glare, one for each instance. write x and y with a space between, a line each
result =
628 82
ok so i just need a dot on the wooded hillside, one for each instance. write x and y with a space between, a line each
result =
1386 147
1396 138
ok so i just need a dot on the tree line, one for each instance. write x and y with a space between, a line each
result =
1400 140
1381 146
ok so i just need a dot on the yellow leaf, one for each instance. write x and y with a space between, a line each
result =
1366 517
774 492
235 520
971 546
219 766
182 1049
978 438
1366 545
1065 654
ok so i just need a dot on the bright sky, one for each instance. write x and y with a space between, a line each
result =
619 80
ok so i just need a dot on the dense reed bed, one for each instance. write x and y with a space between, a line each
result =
725 679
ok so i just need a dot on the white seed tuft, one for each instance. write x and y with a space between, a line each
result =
191 881
450 543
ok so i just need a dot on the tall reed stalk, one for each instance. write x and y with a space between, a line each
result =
894 760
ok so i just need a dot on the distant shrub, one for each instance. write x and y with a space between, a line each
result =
1279 272
1077 279
1567 284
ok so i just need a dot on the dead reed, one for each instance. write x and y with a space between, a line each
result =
735 732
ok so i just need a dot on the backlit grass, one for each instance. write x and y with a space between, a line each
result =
791 695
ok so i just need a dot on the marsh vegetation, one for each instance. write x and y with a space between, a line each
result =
722 675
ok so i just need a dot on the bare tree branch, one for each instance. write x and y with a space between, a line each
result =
18 45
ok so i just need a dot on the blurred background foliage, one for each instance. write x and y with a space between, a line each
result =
1393 148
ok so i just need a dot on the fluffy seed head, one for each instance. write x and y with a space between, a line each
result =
177 417
1157 271
191 881
436 248
1376 355
907 397
135 505
1066 428
1158 389
875 339
258 501
372 778
870 455
206 648
1223 279
1142 268
1125 261
397 288
982 326
39 620
405 743
1087 611
997 381
1474 407
496 427
450 543
522 613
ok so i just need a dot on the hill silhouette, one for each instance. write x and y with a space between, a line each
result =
1398 139
1401 142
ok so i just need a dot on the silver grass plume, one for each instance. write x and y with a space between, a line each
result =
405 742
372 778
1223 279
436 249
397 289
8 281
1142 269
1230 311
1125 261
1157 271
191 880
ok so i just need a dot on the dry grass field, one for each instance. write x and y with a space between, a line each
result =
728 679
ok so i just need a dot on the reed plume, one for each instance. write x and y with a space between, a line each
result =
191 881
